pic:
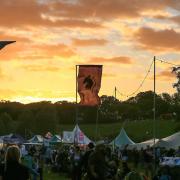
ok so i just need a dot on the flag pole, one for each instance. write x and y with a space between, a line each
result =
115 92
97 118
154 115
76 109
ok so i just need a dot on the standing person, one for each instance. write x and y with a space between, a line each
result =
12 169
76 164
97 166
85 157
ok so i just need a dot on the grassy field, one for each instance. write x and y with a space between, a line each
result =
137 130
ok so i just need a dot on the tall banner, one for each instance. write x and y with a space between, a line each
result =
89 83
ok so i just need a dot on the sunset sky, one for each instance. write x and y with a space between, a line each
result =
55 35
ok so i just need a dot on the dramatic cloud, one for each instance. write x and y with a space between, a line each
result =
107 9
118 60
21 13
89 42
164 40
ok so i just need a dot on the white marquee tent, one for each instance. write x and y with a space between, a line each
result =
75 136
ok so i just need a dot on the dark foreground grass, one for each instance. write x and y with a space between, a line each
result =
48 175
137 130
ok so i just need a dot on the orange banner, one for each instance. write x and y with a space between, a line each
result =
89 83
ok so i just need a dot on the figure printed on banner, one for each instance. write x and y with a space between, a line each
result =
89 82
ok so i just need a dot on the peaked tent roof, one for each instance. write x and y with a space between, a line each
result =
75 136
122 139
36 139
13 139
55 139
79 136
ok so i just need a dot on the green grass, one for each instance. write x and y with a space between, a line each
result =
48 175
137 130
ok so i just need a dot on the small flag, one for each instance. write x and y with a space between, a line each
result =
4 43
89 83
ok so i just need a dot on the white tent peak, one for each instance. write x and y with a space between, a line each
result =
122 139
75 136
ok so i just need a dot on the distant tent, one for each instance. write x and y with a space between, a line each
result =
76 136
173 140
36 139
68 137
13 139
55 139
79 136
122 139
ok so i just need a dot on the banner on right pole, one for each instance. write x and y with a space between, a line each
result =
89 83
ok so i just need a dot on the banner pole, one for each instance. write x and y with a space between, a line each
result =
154 115
76 111
97 118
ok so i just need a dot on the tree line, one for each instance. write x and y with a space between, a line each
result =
40 117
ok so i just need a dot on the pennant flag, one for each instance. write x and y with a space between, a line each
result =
89 83
4 43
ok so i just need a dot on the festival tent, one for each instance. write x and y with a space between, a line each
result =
122 139
68 137
173 140
143 145
36 139
13 139
55 139
76 136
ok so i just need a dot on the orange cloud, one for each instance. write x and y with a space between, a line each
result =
37 68
166 75
61 50
106 9
19 13
89 42
120 59
164 40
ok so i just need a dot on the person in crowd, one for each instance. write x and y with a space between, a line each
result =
12 169
85 157
76 164
2 155
97 166
165 174
148 160
29 162
125 170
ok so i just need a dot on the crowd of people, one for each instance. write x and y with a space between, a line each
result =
89 162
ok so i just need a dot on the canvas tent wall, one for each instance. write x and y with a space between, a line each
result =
122 139
143 145
173 140
161 143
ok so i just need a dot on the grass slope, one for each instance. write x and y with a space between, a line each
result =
137 130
